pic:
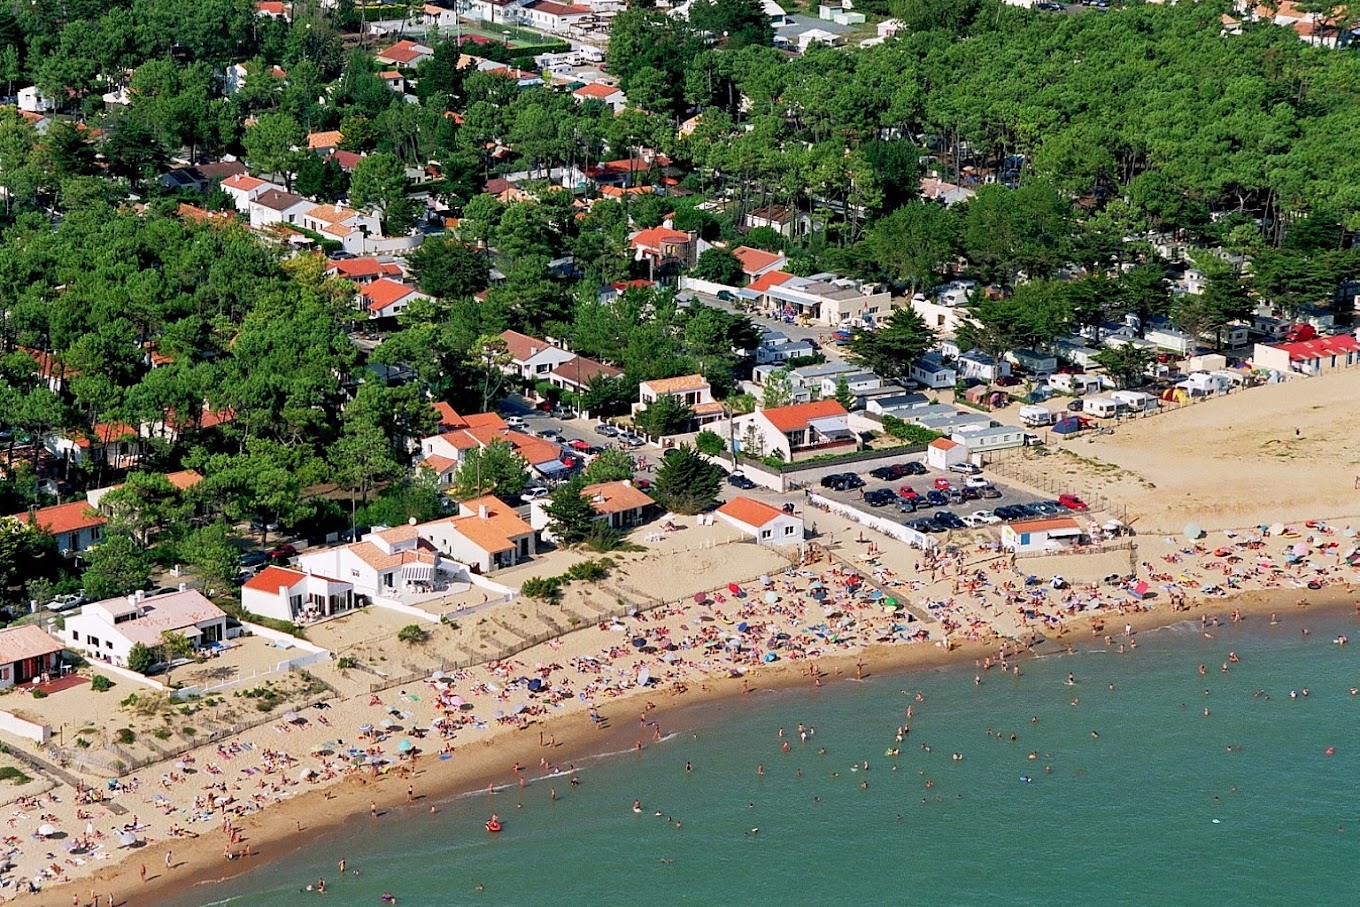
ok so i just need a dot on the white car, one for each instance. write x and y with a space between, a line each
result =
976 482
981 518
534 494
515 423
967 469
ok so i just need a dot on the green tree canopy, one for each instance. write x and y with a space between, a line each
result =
686 482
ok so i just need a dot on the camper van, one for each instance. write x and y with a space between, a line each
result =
1102 407
1136 401
1035 416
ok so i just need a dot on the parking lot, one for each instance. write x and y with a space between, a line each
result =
927 505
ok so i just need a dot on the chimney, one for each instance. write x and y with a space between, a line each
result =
141 596
183 587
482 512
533 351
628 482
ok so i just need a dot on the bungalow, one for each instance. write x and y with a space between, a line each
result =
107 630
550 16
113 444
444 454
393 79
274 206
531 357
1036 536
76 526
383 562
895 404
487 535
1310 357
943 453
200 177
244 189
981 438
692 390
497 11
387 298
859 383
757 262
664 249
783 220
610 96
930 371
776 348
346 226
292 595
766 524
363 270
619 505
803 428
826 298
1034 362
578 372
32 100
405 54
27 653
978 366
325 143
438 17
273 9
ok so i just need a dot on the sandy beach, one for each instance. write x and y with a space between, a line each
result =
616 685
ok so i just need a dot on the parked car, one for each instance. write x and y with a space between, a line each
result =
66 602
966 469
880 497
515 423
549 434
1011 512
631 440
831 480
989 491
1076 406
739 480
609 431
968 494
1072 502
578 444
908 492
889 473
905 506
852 480
1012 380
916 468
976 482
1046 508
534 493
254 559
642 484
981 518
281 552
955 495
727 296
943 484
925 524
935 498
949 520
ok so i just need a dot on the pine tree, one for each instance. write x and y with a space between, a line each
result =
686 482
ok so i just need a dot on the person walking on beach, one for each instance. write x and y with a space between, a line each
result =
168 857
143 873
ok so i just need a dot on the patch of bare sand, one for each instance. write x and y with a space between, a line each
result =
1279 453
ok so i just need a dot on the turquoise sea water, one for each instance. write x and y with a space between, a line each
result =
1162 807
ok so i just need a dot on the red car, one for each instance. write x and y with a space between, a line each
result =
943 484
578 444
908 492
1072 502
281 552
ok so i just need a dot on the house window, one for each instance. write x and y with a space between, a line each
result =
788 530
92 640
354 573
108 644
764 533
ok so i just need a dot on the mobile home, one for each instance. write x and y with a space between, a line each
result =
1036 416
1136 401
1101 407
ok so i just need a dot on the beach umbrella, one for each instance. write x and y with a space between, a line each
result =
734 588
387 724
771 598
47 830
365 728
639 642
770 656
535 685
743 627
700 598
466 707
127 839
1300 549
1193 531
765 580
290 716
498 714
1276 529
438 675
644 676
456 702
405 746
816 584
306 774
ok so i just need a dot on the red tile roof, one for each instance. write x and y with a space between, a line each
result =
384 291
750 511
551 8
271 578
754 261
346 159
63 518
769 279
1339 345
654 237
403 52
616 497
522 347
944 444
1064 522
792 418
365 268
26 641
184 479
581 371
597 90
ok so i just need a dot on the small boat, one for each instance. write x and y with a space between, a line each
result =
493 824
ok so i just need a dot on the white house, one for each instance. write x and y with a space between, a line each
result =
108 630
818 426
766 524
1033 536
858 383
610 96
620 505
405 54
76 526
531 357
292 595
274 206
244 189
975 365
943 453
692 390
980 438
384 562
32 100
487 535
439 18
344 225
27 653
827 299
1310 357
550 16
932 372
386 298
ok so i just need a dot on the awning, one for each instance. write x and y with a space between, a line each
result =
552 468
417 572
1060 532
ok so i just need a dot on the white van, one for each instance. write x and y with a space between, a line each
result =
1035 416
1101 407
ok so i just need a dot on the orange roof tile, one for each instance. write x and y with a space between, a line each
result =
366 267
26 641
755 260
494 533
654 237
184 479
750 511
792 418
598 90
327 139
63 518
1065 522
243 181
439 464
769 279
522 347
271 578
676 385
384 291
944 444
616 497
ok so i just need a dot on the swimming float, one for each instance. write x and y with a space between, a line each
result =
493 824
